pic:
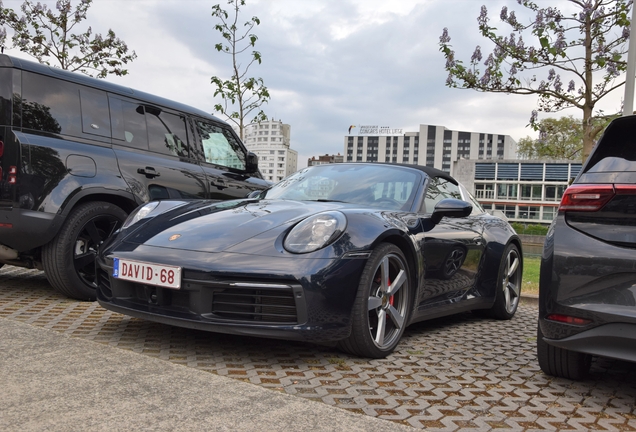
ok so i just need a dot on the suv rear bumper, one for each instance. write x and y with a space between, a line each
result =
614 340
28 229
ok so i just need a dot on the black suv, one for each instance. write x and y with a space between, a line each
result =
78 154
587 289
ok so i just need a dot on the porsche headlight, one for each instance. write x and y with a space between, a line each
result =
315 232
139 213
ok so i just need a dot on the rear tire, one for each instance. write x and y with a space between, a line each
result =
508 285
69 259
380 311
560 362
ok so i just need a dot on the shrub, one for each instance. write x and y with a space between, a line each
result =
534 229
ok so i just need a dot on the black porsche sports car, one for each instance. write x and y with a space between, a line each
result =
352 253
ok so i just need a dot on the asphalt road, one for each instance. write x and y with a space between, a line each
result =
457 373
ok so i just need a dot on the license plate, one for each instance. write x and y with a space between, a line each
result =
147 273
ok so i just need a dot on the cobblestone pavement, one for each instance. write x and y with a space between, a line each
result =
457 373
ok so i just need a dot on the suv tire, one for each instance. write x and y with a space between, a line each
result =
69 259
560 362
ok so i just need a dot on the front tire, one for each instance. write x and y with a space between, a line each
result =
381 309
69 259
560 362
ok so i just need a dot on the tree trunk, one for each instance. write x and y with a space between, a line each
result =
588 133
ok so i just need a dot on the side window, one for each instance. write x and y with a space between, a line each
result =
399 191
220 147
6 95
129 123
437 190
50 105
95 115
166 133
477 208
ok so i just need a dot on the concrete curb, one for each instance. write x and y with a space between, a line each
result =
56 383
529 299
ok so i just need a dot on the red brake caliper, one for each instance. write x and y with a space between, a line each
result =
391 298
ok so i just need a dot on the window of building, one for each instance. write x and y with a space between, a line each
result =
548 213
554 192
529 212
485 191
531 192
508 210
506 191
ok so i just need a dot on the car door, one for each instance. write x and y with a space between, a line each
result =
452 249
154 152
224 161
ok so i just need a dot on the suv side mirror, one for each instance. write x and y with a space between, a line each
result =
451 207
251 164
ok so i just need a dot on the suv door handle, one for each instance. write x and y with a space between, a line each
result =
149 172
218 183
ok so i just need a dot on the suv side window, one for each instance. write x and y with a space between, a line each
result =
6 95
167 133
95 115
129 123
220 147
50 105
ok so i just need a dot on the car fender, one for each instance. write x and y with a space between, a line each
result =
498 236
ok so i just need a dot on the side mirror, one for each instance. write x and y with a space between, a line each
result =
254 194
451 207
251 164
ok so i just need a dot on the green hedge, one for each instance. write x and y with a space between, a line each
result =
527 229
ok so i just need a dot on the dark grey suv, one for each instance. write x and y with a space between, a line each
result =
587 290
78 154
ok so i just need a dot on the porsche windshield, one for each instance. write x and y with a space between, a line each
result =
381 186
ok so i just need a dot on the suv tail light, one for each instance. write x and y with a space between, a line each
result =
12 178
586 198
1 148
567 319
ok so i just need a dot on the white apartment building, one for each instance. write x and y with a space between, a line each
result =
432 145
270 140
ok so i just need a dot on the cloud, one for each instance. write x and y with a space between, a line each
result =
328 64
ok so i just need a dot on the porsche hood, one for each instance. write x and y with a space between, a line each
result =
215 227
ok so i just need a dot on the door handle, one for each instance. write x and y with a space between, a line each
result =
218 183
149 172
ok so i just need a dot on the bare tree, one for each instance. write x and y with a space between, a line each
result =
241 95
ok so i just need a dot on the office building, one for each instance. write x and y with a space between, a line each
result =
325 159
431 145
524 190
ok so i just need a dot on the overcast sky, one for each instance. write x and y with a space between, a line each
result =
328 64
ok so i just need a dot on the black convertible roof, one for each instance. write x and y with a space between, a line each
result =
429 171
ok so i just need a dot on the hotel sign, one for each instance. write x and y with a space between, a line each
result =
378 130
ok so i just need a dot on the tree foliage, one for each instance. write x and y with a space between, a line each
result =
47 35
559 138
581 54
241 95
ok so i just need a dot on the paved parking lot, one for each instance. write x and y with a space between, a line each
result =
457 373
